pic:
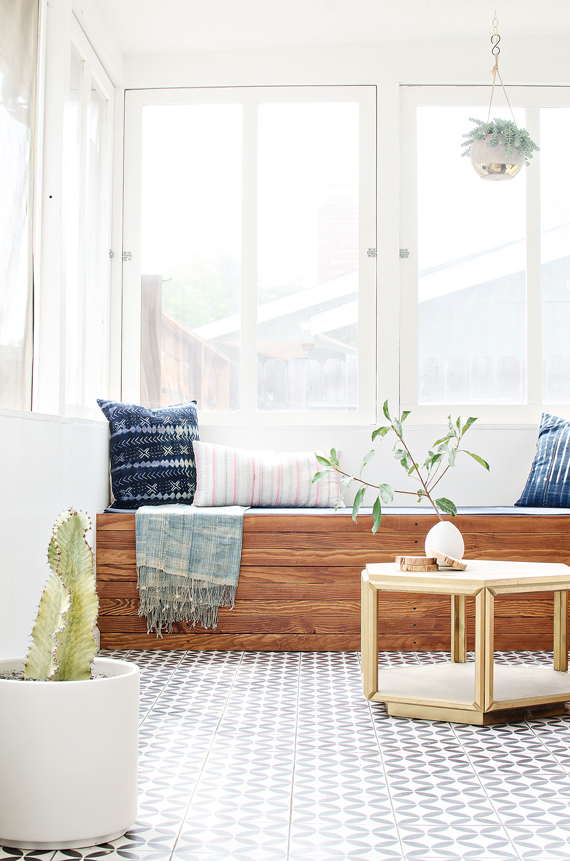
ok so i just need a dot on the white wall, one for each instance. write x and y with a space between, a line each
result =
541 60
48 464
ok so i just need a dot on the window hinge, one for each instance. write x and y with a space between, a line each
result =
111 254
127 255
404 252
371 252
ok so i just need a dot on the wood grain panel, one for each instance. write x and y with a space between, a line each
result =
382 542
244 624
481 523
301 642
236 642
300 582
262 607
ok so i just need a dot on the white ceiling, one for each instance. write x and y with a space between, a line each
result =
165 26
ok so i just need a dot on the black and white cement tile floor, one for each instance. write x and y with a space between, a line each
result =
268 756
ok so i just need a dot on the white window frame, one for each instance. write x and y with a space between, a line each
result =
94 71
251 97
532 99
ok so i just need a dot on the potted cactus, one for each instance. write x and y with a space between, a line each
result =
68 720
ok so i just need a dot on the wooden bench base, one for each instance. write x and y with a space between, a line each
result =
299 585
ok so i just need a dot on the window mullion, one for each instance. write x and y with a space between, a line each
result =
409 383
248 349
534 274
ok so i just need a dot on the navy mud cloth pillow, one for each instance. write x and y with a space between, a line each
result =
152 458
548 484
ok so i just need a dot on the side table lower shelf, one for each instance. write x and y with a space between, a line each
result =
445 691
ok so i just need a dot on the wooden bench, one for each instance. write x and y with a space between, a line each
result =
299 585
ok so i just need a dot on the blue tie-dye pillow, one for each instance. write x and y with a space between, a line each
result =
152 457
548 484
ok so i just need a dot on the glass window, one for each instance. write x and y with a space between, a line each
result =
471 270
18 49
307 321
555 254
86 227
255 207
191 216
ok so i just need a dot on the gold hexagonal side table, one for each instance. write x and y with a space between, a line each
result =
478 692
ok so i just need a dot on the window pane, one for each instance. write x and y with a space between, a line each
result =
191 255
18 44
555 247
72 210
308 256
95 258
471 269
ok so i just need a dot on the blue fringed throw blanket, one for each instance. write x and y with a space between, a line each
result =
188 562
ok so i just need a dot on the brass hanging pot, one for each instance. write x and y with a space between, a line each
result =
498 148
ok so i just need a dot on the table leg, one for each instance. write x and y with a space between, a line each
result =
489 646
560 631
369 637
484 648
458 632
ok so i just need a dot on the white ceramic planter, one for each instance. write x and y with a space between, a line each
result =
490 162
445 539
68 758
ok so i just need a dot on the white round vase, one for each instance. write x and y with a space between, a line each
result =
445 539
490 162
68 757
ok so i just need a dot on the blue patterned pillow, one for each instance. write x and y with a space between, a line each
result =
152 458
548 484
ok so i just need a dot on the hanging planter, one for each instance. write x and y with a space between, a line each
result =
498 148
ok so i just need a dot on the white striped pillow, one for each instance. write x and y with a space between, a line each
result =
261 479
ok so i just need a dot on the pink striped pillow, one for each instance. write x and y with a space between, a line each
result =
261 479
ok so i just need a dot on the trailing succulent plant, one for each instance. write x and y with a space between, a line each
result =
513 137
63 641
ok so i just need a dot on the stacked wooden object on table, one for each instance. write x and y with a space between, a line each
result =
429 563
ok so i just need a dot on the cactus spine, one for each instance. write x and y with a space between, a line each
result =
63 642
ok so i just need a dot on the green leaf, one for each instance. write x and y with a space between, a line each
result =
343 493
444 447
468 424
458 423
399 453
385 410
405 415
452 430
443 439
318 475
366 459
397 427
333 456
452 455
478 459
386 492
380 432
411 468
376 515
323 460
447 506
357 502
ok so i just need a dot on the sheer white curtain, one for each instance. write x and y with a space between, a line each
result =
18 52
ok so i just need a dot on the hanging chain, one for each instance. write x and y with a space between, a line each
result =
495 51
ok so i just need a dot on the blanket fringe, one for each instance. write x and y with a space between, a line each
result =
180 599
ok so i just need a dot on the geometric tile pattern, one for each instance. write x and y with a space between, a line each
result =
267 756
